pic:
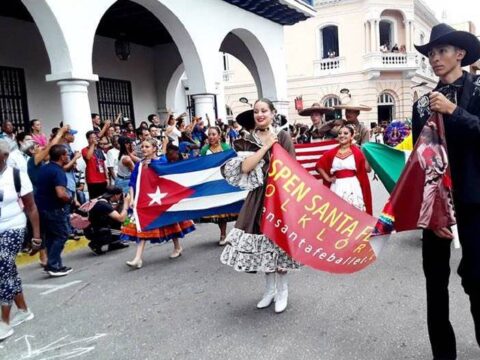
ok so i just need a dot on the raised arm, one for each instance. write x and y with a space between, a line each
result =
252 161
43 153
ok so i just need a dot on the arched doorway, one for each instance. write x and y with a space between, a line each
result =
391 30
147 80
386 108
244 57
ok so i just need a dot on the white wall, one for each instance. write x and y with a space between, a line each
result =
139 69
22 46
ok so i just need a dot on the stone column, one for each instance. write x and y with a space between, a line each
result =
204 104
377 35
372 35
365 37
76 108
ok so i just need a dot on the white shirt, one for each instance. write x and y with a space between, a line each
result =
112 158
175 134
12 215
18 160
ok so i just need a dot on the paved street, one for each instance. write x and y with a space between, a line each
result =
196 308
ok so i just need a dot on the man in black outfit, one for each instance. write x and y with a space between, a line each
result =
106 220
457 98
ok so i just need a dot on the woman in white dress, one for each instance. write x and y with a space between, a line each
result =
344 170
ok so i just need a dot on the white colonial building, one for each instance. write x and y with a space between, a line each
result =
63 59
349 47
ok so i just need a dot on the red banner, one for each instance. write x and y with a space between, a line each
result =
312 224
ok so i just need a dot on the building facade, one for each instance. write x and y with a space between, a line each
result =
358 48
63 59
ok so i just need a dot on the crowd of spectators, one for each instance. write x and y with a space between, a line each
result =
63 179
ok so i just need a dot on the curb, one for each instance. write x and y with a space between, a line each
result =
70 246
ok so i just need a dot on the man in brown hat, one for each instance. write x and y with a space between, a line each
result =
457 98
352 111
320 130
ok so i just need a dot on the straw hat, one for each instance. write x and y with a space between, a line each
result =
315 108
352 104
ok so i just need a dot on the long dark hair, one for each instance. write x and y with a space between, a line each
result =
123 141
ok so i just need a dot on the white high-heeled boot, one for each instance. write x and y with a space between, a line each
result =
281 297
269 294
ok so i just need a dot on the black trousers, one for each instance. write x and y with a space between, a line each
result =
436 267
96 190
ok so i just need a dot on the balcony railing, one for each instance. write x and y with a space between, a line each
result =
328 66
376 62
394 59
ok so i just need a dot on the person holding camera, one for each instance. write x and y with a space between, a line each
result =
15 188
96 170
106 218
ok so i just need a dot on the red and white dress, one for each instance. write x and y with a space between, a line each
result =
350 172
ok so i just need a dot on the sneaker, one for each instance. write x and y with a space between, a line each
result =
96 250
60 272
20 317
5 330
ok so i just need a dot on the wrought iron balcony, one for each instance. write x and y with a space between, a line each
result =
283 12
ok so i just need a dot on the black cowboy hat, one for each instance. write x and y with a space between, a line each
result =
246 119
443 34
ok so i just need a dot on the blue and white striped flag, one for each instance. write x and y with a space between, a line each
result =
188 189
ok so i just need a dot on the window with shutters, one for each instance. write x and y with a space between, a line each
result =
13 97
114 97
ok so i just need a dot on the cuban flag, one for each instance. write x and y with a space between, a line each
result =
167 193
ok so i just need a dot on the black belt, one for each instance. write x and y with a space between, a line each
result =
123 177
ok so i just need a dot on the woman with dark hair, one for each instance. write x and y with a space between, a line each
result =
144 125
126 163
130 130
36 133
344 170
172 131
248 249
15 188
216 145
163 234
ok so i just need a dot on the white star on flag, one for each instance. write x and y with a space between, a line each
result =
156 197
